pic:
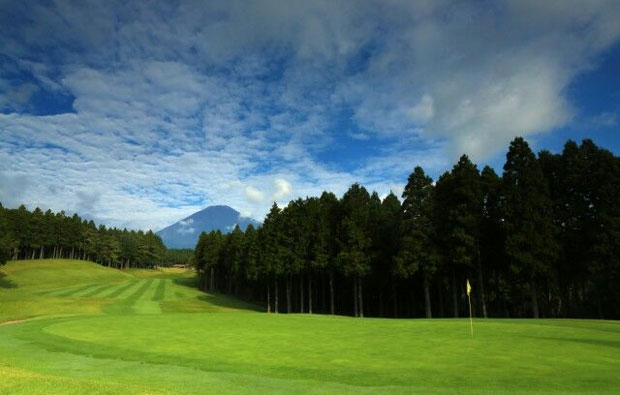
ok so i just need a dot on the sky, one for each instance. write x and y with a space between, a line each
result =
137 114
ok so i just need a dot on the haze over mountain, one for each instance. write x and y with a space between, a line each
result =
184 234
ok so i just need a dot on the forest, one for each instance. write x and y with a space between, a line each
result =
37 235
540 240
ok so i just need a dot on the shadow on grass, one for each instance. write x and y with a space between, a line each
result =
189 282
216 298
5 282
226 301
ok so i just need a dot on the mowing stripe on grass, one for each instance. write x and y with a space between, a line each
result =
135 285
50 291
126 304
122 288
145 304
170 290
73 291
150 292
138 294
160 293
96 291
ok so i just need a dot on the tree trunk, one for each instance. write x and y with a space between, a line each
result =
41 253
309 293
361 298
534 300
441 304
301 294
355 310
394 298
72 252
212 279
33 252
268 299
380 304
427 297
455 304
481 283
288 293
276 289
331 292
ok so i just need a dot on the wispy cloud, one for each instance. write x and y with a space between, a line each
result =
181 105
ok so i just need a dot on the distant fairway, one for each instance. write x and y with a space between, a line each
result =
90 329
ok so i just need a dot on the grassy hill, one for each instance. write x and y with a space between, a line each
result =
69 287
92 329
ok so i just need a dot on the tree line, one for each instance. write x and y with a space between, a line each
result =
541 240
179 256
36 234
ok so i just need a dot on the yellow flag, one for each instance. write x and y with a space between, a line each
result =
471 320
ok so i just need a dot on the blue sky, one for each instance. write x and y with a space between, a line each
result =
140 114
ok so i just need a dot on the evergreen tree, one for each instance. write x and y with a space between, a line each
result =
250 260
603 175
388 239
460 211
492 239
327 247
7 242
272 265
356 242
531 244
417 246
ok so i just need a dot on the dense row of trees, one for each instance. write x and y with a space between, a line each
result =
543 239
178 256
36 235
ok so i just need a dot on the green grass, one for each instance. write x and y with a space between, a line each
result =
152 332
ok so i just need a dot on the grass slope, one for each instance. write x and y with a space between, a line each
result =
153 332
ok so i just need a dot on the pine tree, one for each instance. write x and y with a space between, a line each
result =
328 246
272 265
531 244
603 175
417 245
388 241
7 241
356 242
492 238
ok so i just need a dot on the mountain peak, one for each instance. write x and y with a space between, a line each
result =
185 233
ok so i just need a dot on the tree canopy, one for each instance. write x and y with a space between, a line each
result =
541 240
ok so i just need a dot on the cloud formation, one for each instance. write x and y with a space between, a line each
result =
178 105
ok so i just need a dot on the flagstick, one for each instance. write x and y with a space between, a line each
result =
471 321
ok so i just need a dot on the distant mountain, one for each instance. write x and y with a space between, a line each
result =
184 234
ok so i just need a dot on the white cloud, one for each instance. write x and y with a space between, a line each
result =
254 195
186 230
186 222
179 106
282 189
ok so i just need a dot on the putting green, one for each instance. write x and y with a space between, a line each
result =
153 332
